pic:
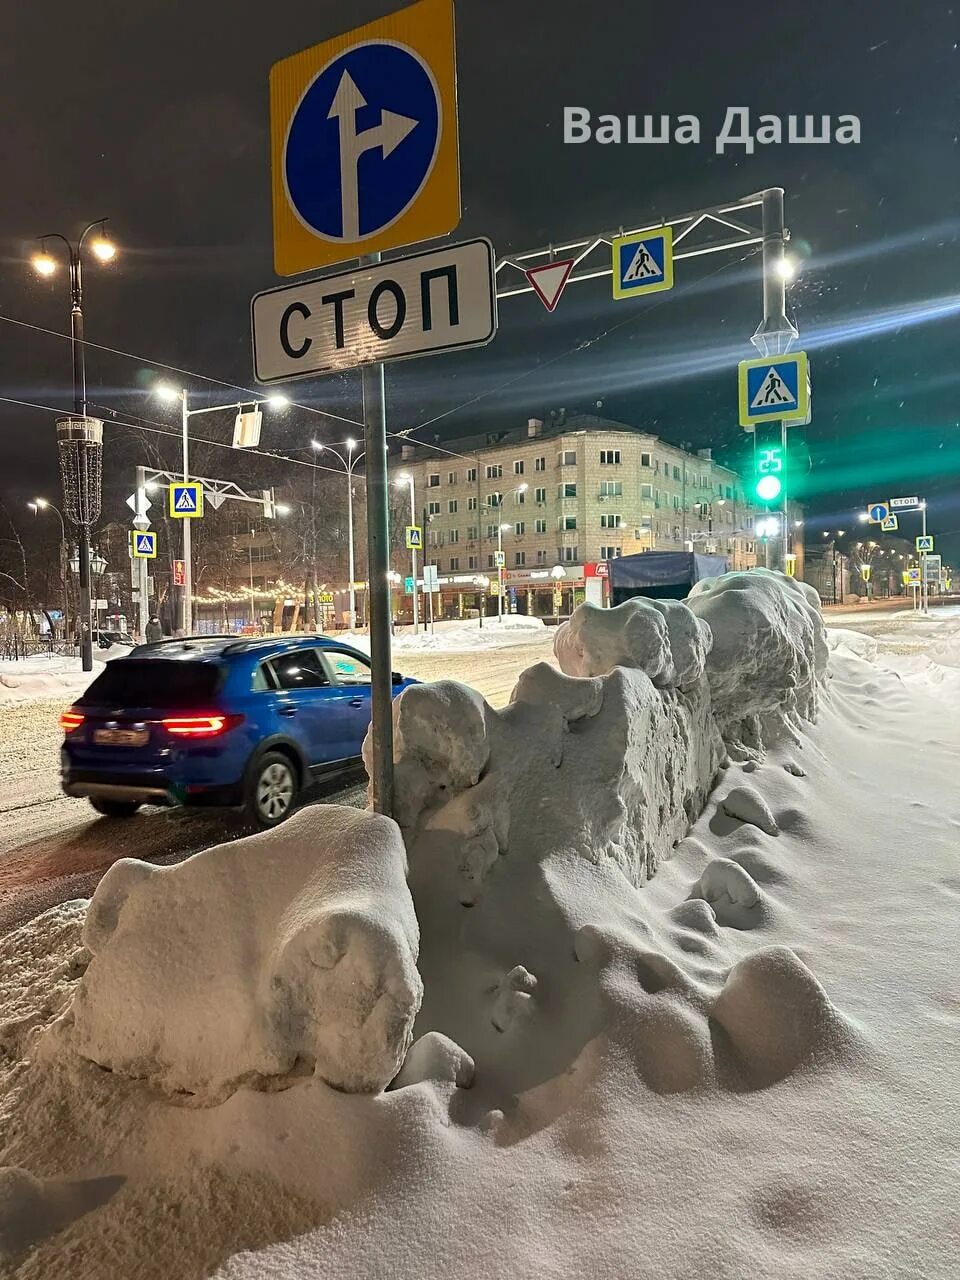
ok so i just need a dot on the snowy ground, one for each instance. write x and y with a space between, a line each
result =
625 1158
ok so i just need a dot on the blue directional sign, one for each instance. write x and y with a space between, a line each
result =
186 501
643 262
143 544
776 387
364 138
878 512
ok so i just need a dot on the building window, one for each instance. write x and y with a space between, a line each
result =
490 564
494 499
611 488
609 457
541 556
433 508
676 473
729 493
608 521
471 504
518 467
541 526
519 529
676 502
610 553
569 554
452 507
471 533
454 535
491 530
566 490
454 563
646 491
566 522
453 477
471 562
494 471
520 497
540 495
567 459
540 464
436 538
645 459
471 475
433 481
519 558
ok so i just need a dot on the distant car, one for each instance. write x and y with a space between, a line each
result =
107 639
216 720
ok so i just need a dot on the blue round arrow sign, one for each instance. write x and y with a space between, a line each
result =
362 141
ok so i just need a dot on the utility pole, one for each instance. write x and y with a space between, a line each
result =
378 561
143 577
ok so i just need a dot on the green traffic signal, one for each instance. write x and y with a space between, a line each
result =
768 488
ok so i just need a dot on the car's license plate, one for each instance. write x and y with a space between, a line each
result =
121 737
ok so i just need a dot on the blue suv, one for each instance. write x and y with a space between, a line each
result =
216 720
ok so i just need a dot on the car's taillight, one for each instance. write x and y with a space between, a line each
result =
210 726
70 720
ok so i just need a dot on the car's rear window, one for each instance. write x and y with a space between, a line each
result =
153 682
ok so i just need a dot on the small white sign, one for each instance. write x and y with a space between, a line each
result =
439 300
900 504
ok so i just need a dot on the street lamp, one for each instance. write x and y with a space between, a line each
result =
348 463
405 478
557 573
169 393
501 530
36 506
79 449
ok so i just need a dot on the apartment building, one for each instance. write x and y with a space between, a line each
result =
577 493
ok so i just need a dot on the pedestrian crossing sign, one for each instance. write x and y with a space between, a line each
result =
143 544
414 537
186 501
643 262
775 388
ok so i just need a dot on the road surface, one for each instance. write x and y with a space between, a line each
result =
53 848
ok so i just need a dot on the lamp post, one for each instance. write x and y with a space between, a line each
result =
170 393
36 506
79 451
406 478
557 573
501 530
348 463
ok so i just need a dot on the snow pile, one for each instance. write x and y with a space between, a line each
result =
661 637
295 947
50 675
459 637
769 654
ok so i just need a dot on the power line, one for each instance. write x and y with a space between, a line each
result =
189 373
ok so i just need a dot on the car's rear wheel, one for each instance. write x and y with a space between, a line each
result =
272 789
115 808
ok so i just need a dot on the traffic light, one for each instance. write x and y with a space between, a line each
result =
769 466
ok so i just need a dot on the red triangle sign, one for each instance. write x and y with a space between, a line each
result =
549 280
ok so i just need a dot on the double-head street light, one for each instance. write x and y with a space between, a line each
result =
79 439
170 393
348 463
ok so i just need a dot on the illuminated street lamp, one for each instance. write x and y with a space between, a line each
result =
348 463
79 444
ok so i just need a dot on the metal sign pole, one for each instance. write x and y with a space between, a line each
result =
924 589
378 566
143 583
187 549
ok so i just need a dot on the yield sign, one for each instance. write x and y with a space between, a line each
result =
549 279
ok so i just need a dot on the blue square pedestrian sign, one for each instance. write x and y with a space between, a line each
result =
143 544
775 388
643 262
186 501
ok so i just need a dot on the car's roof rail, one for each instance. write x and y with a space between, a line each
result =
182 640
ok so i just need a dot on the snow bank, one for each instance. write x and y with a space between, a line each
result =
661 637
769 654
465 636
295 947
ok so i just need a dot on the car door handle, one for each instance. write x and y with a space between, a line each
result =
288 711
356 702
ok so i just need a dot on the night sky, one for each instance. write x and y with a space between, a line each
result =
156 116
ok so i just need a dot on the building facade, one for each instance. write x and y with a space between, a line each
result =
573 494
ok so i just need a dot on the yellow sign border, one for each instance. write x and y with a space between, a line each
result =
427 28
142 555
799 414
410 529
656 233
185 484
